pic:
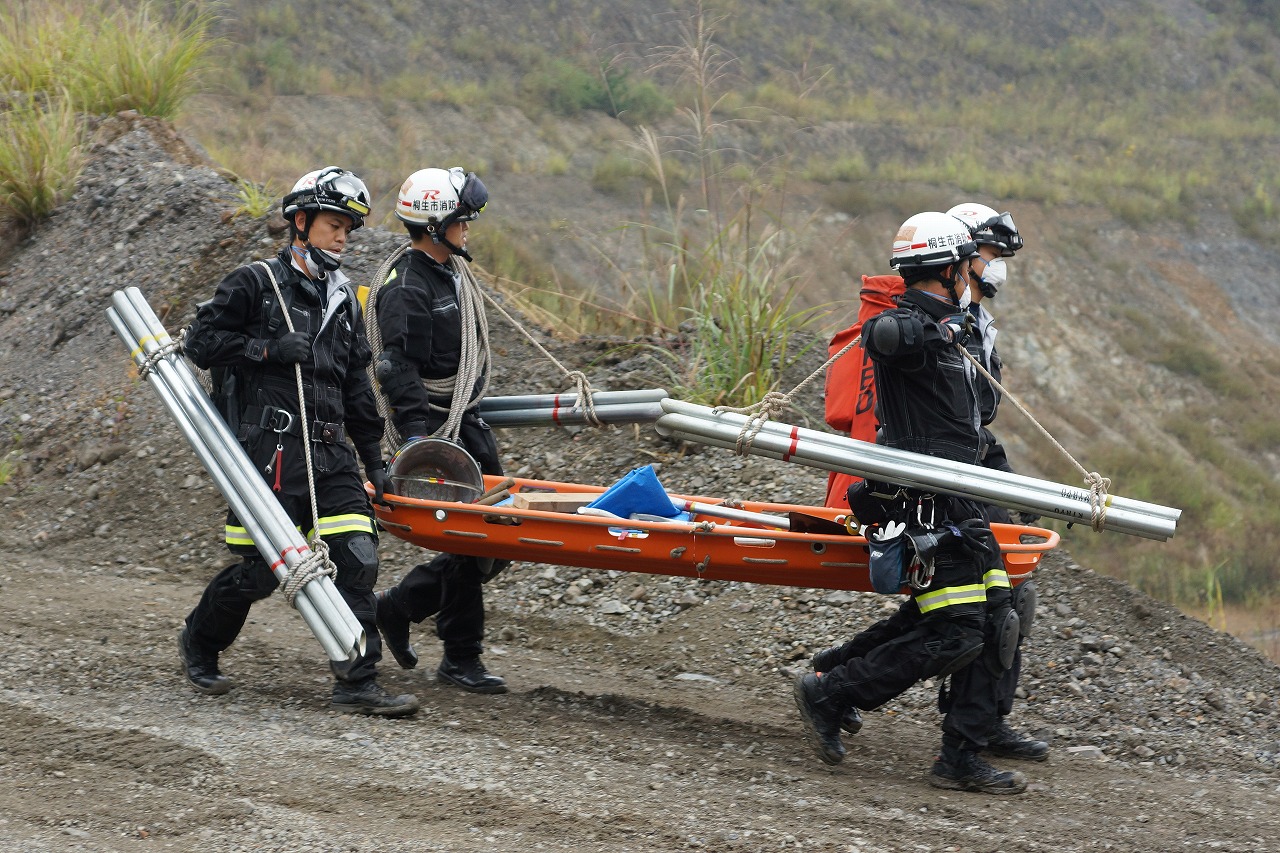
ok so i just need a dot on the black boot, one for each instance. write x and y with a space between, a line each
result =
1007 743
393 625
827 659
821 717
369 697
851 720
470 675
201 667
959 769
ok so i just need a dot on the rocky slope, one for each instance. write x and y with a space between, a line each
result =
647 713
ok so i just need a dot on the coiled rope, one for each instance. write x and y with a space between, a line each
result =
476 357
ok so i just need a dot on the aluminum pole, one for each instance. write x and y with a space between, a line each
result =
614 413
332 646
891 456
916 471
282 534
252 501
241 484
568 400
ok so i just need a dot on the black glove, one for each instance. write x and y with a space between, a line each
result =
289 348
977 539
962 327
1024 517
381 481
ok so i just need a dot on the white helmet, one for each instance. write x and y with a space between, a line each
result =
436 198
331 188
989 227
931 239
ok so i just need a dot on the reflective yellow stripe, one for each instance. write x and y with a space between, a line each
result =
996 578
237 536
949 596
391 277
332 525
240 536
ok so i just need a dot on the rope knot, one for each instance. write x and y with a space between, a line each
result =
586 402
314 565
1099 488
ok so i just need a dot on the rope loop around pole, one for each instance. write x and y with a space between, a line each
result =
1099 486
586 403
150 362
314 565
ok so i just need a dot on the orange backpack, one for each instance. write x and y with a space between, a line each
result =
851 388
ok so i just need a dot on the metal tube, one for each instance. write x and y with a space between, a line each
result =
282 533
332 646
516 402
613 413
259 512
827 459
930 474
734 514
273 527
891 456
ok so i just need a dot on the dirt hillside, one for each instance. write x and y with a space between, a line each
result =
646 713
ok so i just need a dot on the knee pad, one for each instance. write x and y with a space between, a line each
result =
356 557
1024 603
254 578
1002 640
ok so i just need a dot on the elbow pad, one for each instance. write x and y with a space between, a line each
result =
893 333
394 374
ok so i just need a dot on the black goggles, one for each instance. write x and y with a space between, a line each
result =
1002 226
472 194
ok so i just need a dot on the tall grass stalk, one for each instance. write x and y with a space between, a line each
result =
41 154
724 270
106 57
145 61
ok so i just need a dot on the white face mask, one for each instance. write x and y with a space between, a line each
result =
995 273
966 297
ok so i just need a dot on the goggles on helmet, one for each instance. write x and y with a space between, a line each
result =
472 195
1001 226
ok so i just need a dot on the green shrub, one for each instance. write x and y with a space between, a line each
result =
40 158
103 57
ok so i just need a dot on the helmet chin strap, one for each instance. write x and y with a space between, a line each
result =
440 240
326 260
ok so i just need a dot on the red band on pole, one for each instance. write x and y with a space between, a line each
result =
795 442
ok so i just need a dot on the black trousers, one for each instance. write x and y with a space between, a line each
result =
451 586
222 610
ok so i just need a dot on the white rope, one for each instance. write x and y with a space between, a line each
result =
773 403
1099 486
473 363
582 385
317 563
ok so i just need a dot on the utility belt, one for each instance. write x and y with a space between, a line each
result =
284 422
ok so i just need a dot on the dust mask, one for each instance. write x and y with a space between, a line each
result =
994 274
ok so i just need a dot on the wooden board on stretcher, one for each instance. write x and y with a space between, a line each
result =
706 547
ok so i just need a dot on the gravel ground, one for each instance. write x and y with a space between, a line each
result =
647 713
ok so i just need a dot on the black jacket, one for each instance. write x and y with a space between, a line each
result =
927 399
420 321
234 328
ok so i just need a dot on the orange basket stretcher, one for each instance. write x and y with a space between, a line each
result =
705 547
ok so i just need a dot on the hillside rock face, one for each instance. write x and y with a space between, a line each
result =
647 713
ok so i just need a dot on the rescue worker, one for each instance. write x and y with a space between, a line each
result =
243 335
420 311
997 238
927 403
